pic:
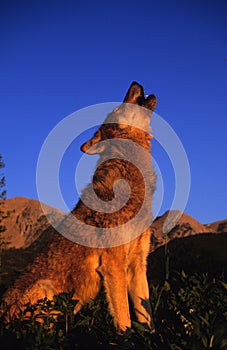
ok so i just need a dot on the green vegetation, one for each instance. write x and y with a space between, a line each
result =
190 313
190 308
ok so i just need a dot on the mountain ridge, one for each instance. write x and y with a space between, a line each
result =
26 222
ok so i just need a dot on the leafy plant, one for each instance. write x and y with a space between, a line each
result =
190 312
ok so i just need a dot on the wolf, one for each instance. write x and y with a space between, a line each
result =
116 239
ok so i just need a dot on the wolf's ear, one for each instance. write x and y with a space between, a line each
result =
93 145
135 94
150 102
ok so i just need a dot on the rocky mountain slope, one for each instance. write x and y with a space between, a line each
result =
218 226
175 224
24 221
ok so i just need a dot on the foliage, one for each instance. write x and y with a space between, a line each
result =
3 215
2 180
190 309
190 312
2 196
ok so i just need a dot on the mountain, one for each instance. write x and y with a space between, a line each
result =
176 224
218 226
192 245
25 221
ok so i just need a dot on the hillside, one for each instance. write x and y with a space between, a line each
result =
218 226
175 224
26 221
204 253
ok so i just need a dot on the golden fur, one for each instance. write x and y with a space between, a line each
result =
64 265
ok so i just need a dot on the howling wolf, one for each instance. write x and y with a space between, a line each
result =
115 233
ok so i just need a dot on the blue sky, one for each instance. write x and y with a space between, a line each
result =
61 56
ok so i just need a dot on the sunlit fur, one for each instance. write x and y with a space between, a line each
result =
65 266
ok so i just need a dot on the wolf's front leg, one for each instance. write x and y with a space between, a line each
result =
139 294
115 283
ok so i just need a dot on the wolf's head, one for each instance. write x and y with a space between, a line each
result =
131 120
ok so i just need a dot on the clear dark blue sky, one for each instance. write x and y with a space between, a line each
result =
60 56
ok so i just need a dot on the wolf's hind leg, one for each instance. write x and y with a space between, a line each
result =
17 297
87 285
